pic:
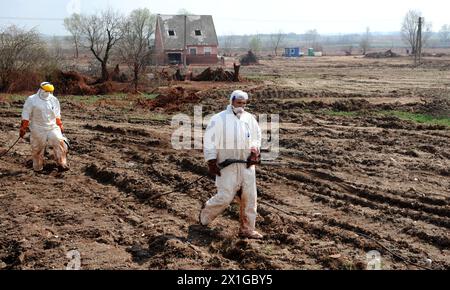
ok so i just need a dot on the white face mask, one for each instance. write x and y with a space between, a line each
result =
238 110
44 95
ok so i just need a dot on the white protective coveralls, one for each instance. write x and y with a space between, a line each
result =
42 110
230 137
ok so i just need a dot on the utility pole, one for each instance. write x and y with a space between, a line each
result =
418 48
185 46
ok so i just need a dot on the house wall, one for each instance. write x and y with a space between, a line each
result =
161 52
159 56
200 57
201 49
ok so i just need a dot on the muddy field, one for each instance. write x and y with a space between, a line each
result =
358 179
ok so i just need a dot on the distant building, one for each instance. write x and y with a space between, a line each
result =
292 52
185 39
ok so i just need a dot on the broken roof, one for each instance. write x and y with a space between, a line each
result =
200 30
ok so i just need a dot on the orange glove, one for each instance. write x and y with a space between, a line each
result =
60 124
23 128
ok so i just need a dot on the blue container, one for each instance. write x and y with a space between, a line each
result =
292 52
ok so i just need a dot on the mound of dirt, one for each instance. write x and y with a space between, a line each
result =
439 107
218 75
172 100
72 83
249 59
22 82
351 105
386 54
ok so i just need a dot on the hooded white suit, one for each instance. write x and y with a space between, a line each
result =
42 113
230 137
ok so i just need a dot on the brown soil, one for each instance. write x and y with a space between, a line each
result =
352 183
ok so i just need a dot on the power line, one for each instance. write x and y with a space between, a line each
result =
30 18
305 21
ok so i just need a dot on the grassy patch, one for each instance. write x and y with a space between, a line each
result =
408 116
150 96
418 118
13 97
341 113
87 100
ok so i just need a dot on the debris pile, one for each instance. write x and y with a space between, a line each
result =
74 83
218 75
249 59
172 100
386 54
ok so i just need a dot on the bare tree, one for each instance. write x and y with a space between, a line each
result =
134 46
73 25
444 34
228 42
101 34
312 39
365 41
410 27
55 49
20 50
348 50
276 41
255 44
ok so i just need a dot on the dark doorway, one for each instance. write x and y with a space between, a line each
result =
174 58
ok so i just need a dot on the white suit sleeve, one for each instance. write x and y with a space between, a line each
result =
57 109
210 140
256 134
27 109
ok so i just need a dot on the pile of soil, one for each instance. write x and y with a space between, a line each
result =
74 83
249 59
386 54
172 100
438 107
25 81
218 75
351 105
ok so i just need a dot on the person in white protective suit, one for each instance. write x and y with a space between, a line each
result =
233 134
42 115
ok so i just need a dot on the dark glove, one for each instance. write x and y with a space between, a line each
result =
254 158
23 128
213 168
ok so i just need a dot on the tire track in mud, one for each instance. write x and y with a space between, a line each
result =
369 193
440 241
342 231
162 249
240 252
323 189
316 231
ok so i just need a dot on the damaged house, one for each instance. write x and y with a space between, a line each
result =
185 39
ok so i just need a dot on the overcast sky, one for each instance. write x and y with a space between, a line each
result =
241 16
